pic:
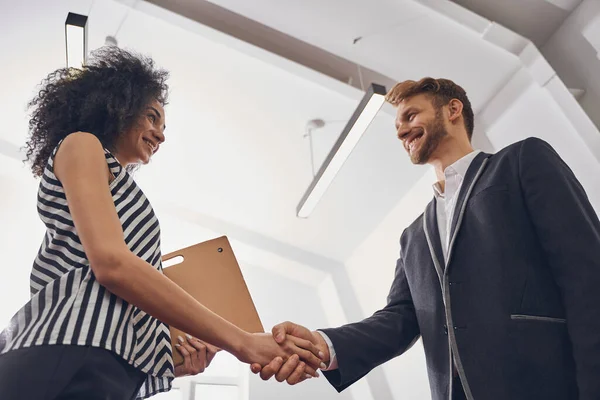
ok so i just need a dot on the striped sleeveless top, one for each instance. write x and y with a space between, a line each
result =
68 306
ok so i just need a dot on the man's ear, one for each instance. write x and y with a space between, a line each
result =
455 108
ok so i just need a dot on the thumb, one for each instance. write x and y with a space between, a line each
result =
279 331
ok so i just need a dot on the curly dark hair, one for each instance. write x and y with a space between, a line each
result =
104 98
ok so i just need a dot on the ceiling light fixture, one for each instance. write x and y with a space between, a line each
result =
357 125
76 40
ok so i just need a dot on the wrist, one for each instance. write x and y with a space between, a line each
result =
239 344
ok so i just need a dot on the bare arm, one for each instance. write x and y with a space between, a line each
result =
81 167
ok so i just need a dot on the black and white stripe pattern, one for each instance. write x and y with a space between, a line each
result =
67 304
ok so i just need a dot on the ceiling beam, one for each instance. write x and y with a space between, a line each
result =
567 5
270 40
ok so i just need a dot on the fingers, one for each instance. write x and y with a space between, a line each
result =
311 371
255 368
305 355
289 328
293 370
307 345
187 359
198 350
280 331
271 369
211 352
287 368
298 375
210 348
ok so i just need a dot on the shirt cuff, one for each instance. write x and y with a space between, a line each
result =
333 364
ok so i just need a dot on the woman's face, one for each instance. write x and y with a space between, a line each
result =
143 139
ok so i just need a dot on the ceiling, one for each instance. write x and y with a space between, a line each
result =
401 39
235 154
536 20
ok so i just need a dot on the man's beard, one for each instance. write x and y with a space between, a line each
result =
436 132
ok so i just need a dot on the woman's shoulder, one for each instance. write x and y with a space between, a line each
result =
82 141
78 150
79 145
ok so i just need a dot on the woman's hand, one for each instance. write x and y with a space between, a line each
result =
197 356
261 349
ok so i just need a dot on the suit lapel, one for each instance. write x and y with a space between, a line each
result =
430 226
473 173
432 234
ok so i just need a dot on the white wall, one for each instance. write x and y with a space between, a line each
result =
573 51
21 234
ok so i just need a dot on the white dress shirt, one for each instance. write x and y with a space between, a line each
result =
445 206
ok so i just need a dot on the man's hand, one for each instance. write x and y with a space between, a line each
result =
197 356
261 349
293 370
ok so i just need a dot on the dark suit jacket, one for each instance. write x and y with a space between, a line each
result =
518 303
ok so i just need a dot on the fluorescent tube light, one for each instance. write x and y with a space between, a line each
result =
348 139
76 40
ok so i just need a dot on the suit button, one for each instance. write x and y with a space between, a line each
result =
445 330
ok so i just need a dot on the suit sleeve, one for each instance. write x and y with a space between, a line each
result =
363 345
569 233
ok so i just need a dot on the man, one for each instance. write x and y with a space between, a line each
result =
499 276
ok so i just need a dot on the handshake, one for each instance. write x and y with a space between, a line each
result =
292 353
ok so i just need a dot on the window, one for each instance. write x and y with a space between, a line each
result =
222 392
174 394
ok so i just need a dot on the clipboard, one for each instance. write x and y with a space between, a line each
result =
211 274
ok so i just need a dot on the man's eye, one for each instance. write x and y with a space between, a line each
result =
411 116
152 118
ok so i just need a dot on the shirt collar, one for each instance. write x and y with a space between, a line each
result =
437 191
459 167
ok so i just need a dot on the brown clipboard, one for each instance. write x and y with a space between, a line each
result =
211 274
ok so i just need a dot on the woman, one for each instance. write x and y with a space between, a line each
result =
96 324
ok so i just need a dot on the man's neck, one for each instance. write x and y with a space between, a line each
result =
446 156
